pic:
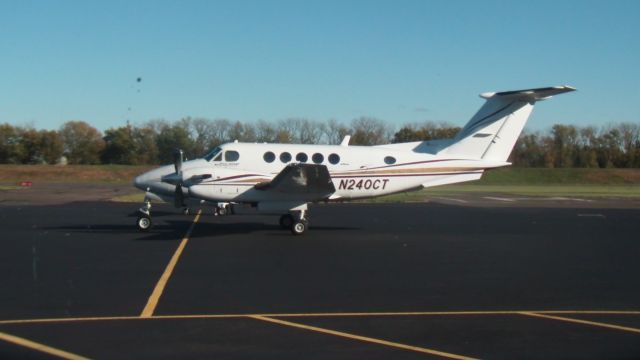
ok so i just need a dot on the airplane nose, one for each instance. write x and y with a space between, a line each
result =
141 182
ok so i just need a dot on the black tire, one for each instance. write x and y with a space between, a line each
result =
299 227
144 223
286 221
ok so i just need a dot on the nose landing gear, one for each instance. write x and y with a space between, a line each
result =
144 222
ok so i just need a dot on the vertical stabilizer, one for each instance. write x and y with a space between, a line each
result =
493 130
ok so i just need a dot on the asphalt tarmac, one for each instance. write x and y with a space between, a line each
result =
373 281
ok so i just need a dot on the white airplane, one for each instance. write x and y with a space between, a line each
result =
282 179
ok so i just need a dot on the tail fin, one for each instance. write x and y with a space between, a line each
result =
493 130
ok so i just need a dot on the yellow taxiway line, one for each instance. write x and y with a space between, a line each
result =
361 338
39 347
337 314
583 322
157 291
273 318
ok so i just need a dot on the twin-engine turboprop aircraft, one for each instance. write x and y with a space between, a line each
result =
282 179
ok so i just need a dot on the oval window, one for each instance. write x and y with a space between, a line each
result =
317 158
334 158
389 160
302 157
285 157
231 155
269 156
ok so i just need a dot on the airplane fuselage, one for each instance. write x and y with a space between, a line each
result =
356 171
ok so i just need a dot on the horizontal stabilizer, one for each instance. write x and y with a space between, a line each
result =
530 94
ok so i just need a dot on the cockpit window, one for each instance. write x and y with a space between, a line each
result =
231 155
212 154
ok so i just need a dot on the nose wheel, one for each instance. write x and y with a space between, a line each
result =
144 222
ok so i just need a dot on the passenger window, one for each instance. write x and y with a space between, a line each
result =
389 160
302 157
334 158
269 157
285 157
317 158
231 155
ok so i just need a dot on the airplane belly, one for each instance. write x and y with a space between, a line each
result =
218 192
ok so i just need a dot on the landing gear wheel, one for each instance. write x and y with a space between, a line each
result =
286 221
299 227
144 223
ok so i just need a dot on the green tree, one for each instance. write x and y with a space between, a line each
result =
51 146
29 146
119 146
407 133
83 143
146 147
9 145
564 145
171 138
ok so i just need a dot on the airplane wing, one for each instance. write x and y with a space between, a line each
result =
307 180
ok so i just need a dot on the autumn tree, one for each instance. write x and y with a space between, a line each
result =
369 131
335 131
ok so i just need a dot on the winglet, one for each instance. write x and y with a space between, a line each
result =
345 141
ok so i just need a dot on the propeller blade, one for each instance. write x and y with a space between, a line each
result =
178 198
178 155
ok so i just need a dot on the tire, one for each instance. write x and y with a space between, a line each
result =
299 227
286 221
144 223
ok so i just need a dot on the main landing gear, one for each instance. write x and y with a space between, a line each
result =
296 221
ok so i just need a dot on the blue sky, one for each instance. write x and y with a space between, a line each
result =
400 61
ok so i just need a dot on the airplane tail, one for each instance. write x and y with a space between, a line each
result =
492 132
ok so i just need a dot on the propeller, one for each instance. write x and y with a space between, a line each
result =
178 154
178 179
178 198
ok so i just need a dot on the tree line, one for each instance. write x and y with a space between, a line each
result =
153 142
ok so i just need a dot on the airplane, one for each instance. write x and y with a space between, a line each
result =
283 179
